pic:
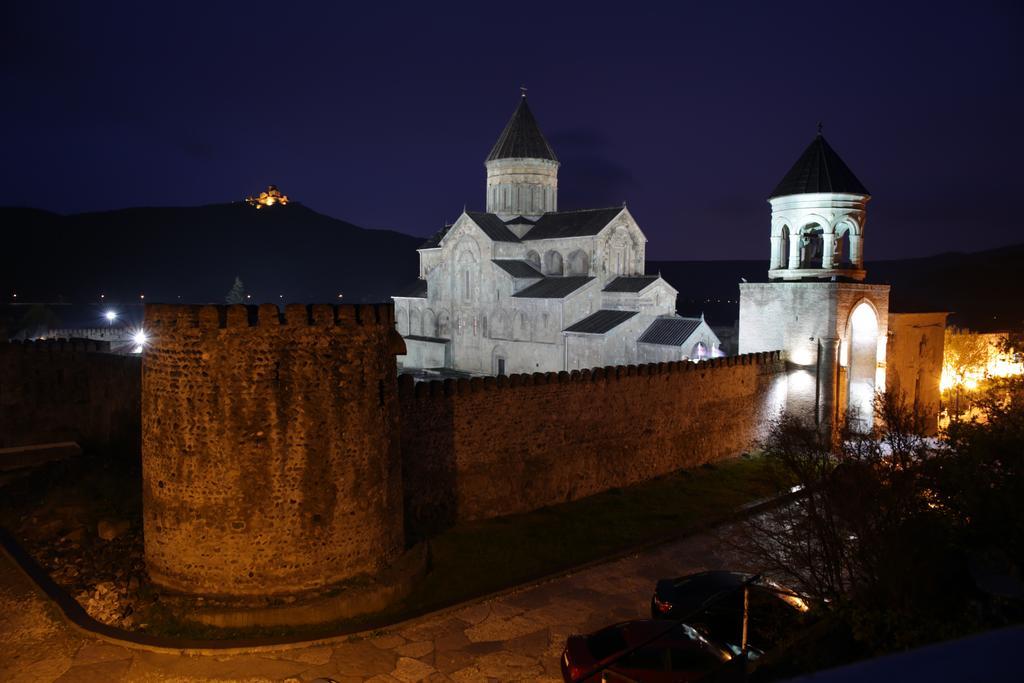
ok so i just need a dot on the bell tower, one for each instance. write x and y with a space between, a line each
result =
816 306
818 214
522 169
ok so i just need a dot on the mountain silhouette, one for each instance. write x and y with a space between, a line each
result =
193 254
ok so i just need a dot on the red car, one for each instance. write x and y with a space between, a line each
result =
643 650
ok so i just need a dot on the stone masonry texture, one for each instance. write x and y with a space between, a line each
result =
270 447
485 447
69 391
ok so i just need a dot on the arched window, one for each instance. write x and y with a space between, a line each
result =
811 246
522 327
553 263
415 326
578 263
466 267
699 351
534 258
784 248
501 326
842 250
402 323
443 325
429 323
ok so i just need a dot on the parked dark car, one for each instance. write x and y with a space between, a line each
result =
712 603
646 650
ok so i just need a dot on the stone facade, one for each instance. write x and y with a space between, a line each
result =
831 369
270 447
913 362
484 447
69 391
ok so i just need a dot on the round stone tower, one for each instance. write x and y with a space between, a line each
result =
522 169
269 447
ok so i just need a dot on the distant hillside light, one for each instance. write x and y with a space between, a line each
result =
270 197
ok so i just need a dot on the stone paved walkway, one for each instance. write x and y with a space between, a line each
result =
516 637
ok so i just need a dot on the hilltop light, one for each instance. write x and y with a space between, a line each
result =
111 316
269 197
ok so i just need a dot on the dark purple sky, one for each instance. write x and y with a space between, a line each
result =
382 114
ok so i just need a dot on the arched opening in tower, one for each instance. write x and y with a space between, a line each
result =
842 253
811 244
863 349
784 248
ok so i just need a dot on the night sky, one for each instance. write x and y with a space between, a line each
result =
381 114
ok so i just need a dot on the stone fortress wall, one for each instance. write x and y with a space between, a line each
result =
53 391
485 447
270 447
282 453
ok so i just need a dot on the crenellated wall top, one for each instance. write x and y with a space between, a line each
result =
407 386
268 315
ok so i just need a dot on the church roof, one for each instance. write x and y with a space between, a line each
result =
553 287
493 226
672 331
819 169
581 223
517 268
600 322
522 138
414 290
632 283
520 220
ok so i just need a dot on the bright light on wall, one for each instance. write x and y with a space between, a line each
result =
140 339
864 323
111 316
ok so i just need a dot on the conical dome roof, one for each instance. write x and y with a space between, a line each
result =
819 169
522 138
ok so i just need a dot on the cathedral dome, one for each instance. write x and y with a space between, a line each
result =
522 169
522 138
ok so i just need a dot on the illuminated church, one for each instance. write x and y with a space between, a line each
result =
523 287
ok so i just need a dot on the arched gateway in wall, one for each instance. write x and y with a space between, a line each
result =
862 347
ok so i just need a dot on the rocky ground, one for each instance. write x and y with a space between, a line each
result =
81 523
101 567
